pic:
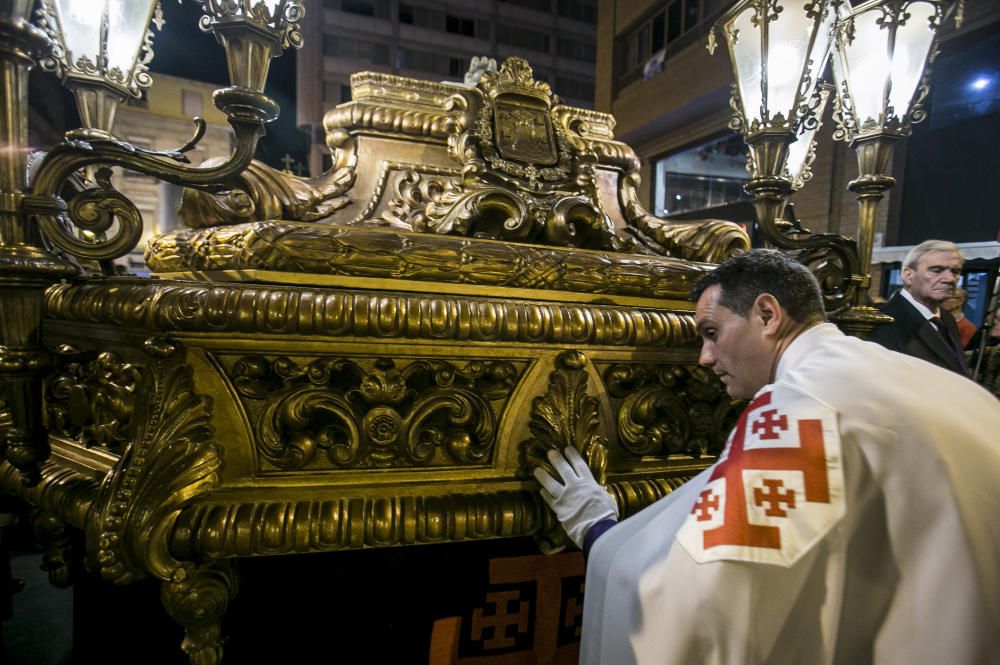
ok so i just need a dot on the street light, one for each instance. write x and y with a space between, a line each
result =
101 51
778 53
779 49
881 53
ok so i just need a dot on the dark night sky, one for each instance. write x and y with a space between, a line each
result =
182 49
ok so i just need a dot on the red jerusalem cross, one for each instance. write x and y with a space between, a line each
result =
809 458
772 494
768 423
706 504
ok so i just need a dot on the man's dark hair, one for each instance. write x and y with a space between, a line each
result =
745 277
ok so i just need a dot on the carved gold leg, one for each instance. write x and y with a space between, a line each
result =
198 602
63 555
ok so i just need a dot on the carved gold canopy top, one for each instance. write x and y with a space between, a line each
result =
501 161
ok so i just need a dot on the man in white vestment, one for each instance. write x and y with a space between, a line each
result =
853 516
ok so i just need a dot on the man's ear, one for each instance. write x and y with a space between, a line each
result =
907 276
767 308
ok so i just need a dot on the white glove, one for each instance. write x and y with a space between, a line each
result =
578 501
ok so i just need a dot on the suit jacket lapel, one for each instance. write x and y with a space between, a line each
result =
933 340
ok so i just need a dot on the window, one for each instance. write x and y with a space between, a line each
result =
422 17
435 63
192 103
516 35
375 8
704 176
571 88
459 25
405 14
457 67
655 33
335 92
576 49
345 47
363 7
581 10
540 5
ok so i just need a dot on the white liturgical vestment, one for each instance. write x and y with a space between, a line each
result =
854 517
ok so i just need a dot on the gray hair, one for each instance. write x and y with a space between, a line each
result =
913 256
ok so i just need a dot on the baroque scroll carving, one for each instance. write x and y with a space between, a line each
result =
669 409
198 601
93 402
363 413
267 193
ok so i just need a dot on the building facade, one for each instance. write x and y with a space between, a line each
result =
671 100
162 119
436 40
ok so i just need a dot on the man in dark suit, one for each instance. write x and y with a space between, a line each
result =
921 327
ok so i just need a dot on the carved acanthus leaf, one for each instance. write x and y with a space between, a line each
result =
171 462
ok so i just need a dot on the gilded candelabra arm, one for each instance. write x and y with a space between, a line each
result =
832 258
97 208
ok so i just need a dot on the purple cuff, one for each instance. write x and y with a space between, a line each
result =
595 532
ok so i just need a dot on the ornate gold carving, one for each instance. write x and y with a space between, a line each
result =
6 420
263 192
93 402
171 462
287 526
669 409
565 416
356 413
361 116
362 252
198 602
62 557
522 180
414 192
304 311
711 240
60 491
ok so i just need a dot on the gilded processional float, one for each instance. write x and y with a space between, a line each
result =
374 357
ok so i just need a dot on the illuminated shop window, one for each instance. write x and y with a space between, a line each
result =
704 176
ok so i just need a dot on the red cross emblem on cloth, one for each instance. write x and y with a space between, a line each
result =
776 489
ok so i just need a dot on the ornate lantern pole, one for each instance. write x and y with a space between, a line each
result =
101 49
26 267
880 64
778 51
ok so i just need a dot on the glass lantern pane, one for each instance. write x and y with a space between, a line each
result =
798 150
913 44
80 24
747 60
788 43
867 65
128 21
821 47
270 4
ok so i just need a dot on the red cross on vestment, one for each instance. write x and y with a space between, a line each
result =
809 458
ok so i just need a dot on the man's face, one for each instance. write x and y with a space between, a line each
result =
933 279
733 346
